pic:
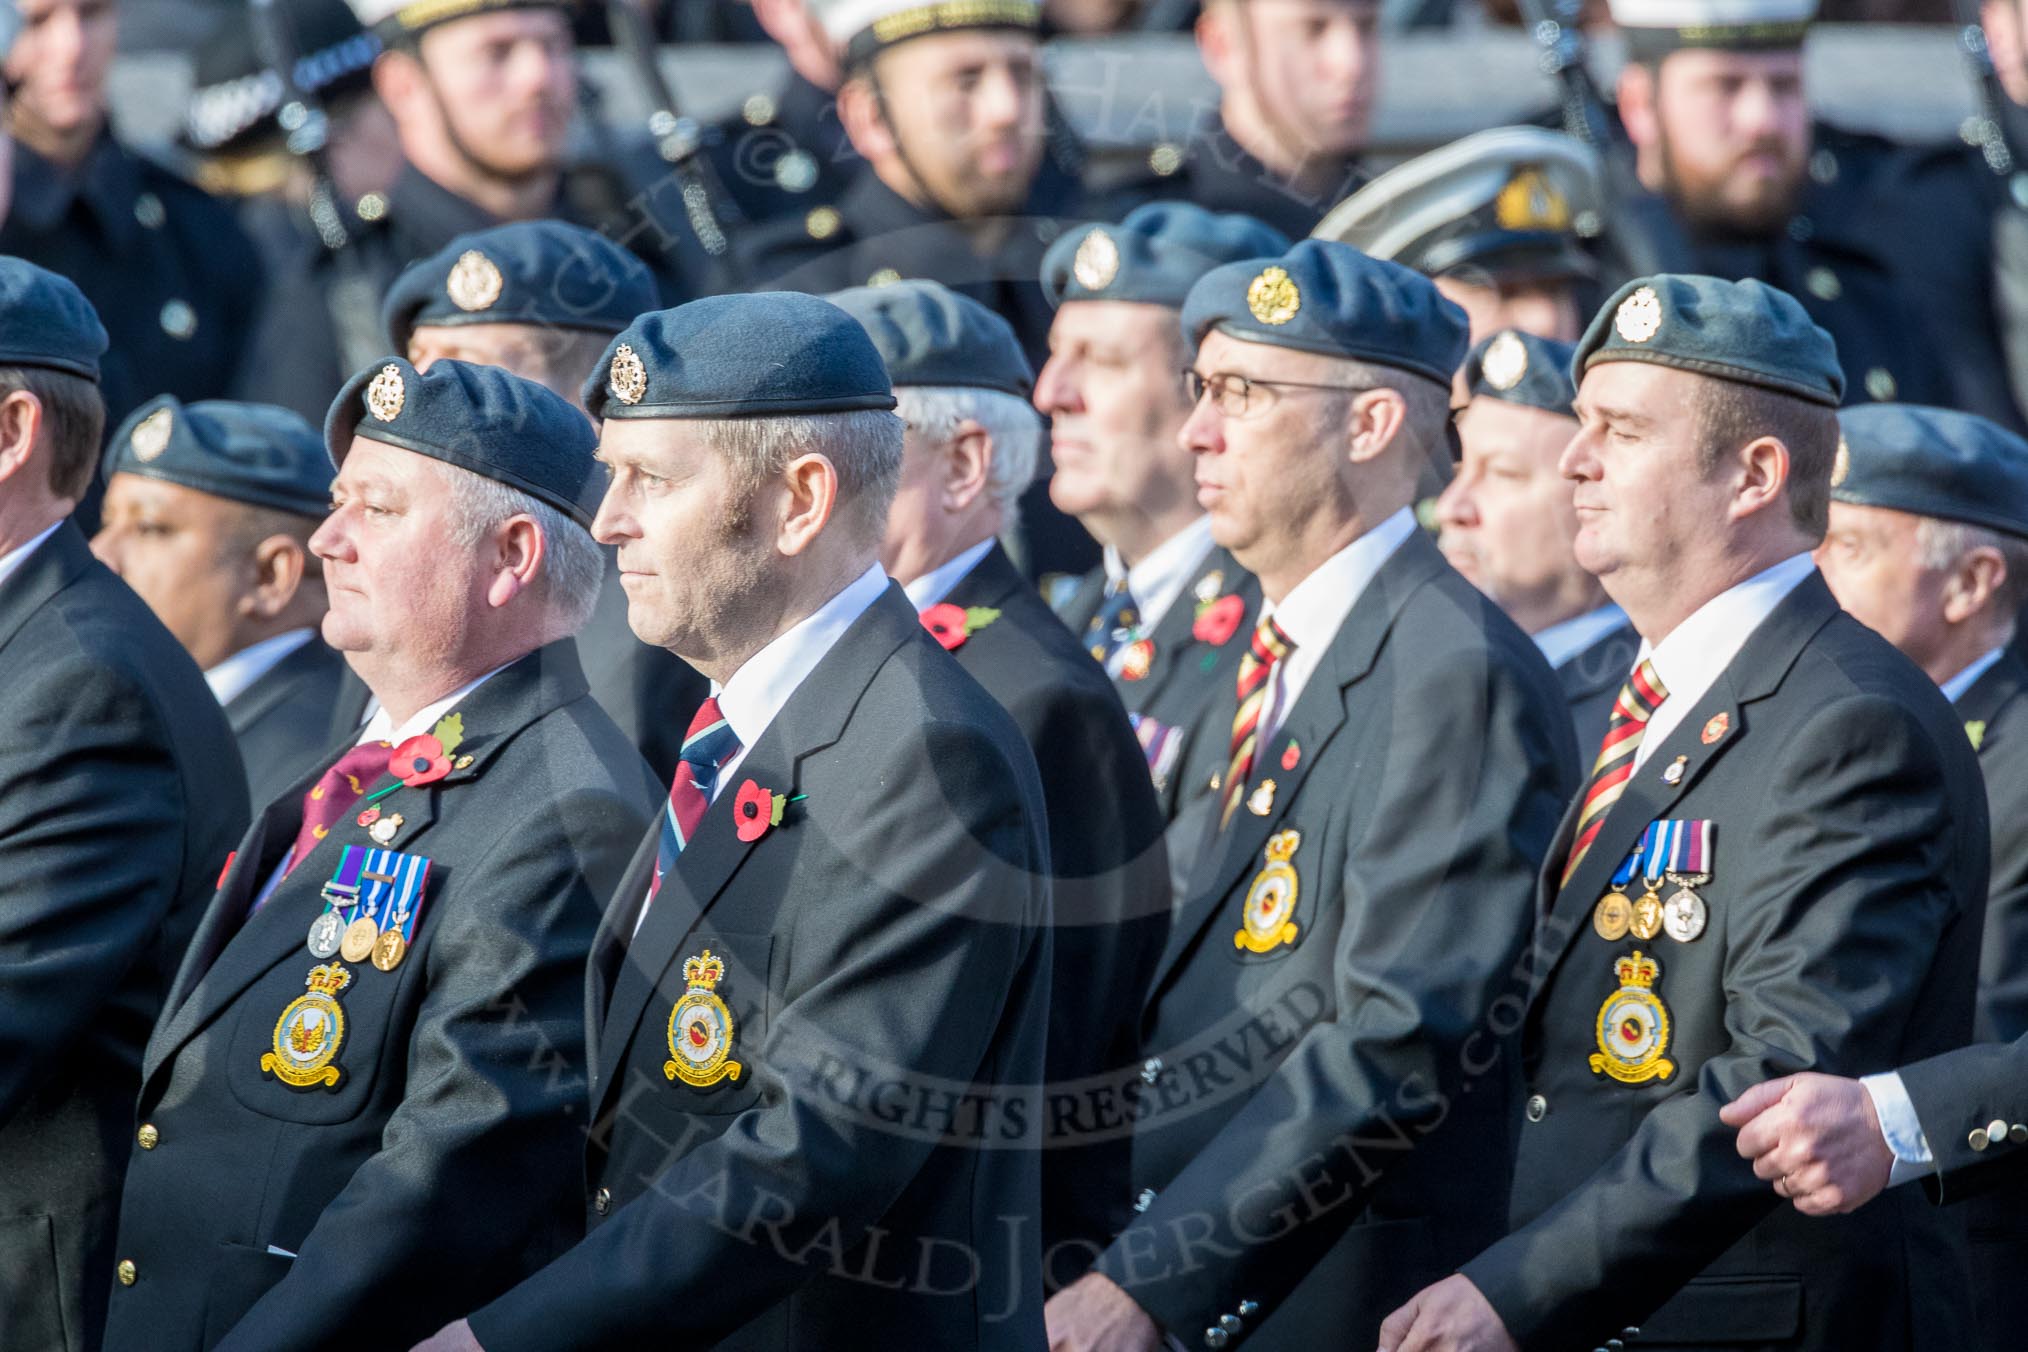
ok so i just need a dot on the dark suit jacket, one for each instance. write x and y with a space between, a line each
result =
1111 883
868 1178
120 795
442 1165
283 720
1998 704
650 692
1845 895
1591 681
1321 1124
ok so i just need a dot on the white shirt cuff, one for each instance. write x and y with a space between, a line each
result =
1901 1128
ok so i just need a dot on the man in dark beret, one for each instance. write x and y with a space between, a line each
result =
1508 522
1928 546
208 513
1778 864
1398 754
120 795
817 1009
356 1114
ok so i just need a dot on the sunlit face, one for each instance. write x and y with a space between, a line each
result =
1733 136
1641 493
1872 557
57 68
527 350
1112 390
1547 309
1506 517
965 110
185 554
1311 67
506 84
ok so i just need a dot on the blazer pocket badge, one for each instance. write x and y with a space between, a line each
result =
700 1027
1633 1025
1268 920
310 1032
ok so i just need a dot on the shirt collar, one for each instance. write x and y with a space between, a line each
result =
936 584
231 678
15 557
1316 607
1156 581
1567 638
1954 689
763 684
1694 653
378 728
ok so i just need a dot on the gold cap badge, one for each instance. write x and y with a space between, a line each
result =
151 435
475 282
1531 202
1841 463
822 222
1639 316
1505 362
1273 297
628 377
387 393
1097 261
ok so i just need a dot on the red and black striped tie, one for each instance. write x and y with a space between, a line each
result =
1639 698
1270 645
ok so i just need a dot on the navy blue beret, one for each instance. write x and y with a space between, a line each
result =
1521 368
928 334
760 355
46 321
1742 331
257 453
1329 298
479 418
1933 462
1155 255
529 272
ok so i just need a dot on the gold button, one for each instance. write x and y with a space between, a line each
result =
148 1136
1978 1140
127 1272
2018 1133
884 277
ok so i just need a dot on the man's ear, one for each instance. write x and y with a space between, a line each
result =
809 503
967 466
21 418
279 563
1974 579
1636 102
1374 422
1763 468
865 124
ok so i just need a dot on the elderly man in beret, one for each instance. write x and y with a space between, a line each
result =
1305 1148
208 514
817 1009
1168 610
1928 545
356 1115
120 795
1508 521
1778 864
542 299
962 386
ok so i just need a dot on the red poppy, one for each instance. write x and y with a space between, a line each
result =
369 817
1291 756
755 810
1138 659
418 761
1220 620
947 625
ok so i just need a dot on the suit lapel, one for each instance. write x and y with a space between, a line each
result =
1177 649
991 581
48 569
274 685
1996 688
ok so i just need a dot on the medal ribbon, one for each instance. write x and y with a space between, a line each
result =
342 892
393 899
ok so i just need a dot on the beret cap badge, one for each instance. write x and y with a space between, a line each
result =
1097 261
474 282
628 377
1273 298
386 394
1505 362
1639 317
151 436
1841 464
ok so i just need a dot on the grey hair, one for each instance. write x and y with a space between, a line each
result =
1010 422
1940 544
864 446
573 565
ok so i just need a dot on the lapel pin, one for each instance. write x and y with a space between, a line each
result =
1291 755
1674 774
382 829
1976 731
1262 800
1717 727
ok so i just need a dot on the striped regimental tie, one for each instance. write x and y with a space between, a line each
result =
1269 646
1114 623
709 744
1639 698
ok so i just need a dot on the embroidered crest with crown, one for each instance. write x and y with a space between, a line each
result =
627 375
1633 1025
310 1031
1267 921
700 1027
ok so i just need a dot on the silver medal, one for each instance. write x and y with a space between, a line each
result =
1684 916
326 931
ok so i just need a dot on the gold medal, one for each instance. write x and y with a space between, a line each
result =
1268 920
1647 917
1609 919
1633 1025
388 950
358 943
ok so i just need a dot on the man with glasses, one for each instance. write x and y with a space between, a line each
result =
1305 1143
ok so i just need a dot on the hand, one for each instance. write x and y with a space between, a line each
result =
1816 1138
1451 1316
456 1337
1093 1314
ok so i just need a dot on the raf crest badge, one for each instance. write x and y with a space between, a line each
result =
386 394
310 1031
1273 298
1505 361
628 377
1268 921
150 436
1096 262
700 1027
475 281
1633 1026
1639 317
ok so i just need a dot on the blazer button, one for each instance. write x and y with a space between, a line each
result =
128 1273
1248 1309
1216 1338
1996 1132
147 1137
1151 1070
1978 1140
1537 1107
1230 1323
2018 1133
1143 1201
602 1201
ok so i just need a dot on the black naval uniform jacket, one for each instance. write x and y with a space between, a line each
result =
1111 885
120 795
1846 886
1188 678
283 720
869 1176
442 1164
1591 681
1320 1125
1219 174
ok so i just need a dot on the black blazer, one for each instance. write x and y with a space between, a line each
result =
884 994
120 796
1111 883
650 692
1591 681
1321 1118
443 1164
1996 709
283 720
1847 885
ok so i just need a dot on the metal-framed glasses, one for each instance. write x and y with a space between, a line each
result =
1238 396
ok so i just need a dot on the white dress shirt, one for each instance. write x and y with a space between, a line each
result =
236 674
936 584
1158 580
1696 652
1315 609
18 555
1567 638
